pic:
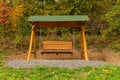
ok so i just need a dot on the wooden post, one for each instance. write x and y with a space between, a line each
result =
82 46
34 42
83 43
31 41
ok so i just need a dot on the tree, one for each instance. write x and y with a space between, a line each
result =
4 13
112 17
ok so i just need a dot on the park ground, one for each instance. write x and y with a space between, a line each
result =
107 72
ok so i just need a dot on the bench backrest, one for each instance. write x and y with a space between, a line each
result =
64 45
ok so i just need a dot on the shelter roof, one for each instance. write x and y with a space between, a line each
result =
58 18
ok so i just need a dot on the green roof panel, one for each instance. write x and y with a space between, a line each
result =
58 18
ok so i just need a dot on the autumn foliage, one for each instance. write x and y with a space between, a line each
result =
4 13
102 29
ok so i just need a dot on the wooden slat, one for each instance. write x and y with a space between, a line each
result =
57 42
56 50
57 47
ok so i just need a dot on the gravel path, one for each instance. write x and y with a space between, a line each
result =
20 63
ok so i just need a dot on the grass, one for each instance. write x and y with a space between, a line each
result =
107 72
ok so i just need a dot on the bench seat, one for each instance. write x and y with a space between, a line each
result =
57 47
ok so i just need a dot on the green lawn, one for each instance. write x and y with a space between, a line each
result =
53 73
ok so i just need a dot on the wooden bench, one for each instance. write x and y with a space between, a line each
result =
57 47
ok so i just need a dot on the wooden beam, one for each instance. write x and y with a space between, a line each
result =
31 41
34 34
84 45
57 24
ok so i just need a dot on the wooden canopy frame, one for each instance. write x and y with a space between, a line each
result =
58 21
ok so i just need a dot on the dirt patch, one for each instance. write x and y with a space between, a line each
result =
103 55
